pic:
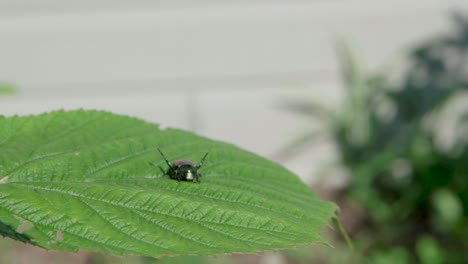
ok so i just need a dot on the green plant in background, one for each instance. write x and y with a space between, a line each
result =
410 177
83 180
7 89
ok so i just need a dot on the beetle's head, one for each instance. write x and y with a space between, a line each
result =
189 172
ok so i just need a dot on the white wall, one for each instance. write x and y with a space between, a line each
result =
216 67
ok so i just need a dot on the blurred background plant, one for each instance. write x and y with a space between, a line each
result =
404 143
7 89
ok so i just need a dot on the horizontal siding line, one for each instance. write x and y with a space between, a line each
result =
200 83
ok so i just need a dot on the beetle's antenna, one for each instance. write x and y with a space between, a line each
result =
167 162
154 165
202 160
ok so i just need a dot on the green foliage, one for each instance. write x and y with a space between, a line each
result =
388 136
393 255
83 180
7 89
429 251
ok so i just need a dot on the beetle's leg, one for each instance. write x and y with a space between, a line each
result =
177 175
197 178
154 165
201 161
167 162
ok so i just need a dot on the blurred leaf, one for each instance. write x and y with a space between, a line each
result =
358 128
464 118
394 255
81 180
309 108
462 23
448 209
374 165
7 89
352 75
421 149
429 251
350 70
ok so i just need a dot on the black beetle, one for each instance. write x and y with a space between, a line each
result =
183 170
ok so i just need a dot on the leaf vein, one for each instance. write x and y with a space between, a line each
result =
73 194
119 230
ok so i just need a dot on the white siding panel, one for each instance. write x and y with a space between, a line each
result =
95 45
167 109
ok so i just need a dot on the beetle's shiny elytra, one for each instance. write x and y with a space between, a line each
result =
183 170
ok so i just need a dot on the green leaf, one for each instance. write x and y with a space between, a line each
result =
83 180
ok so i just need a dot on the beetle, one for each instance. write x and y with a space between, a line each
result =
183 170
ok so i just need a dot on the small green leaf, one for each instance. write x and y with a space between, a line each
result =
83 180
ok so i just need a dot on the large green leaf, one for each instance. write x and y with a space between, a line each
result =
83 180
